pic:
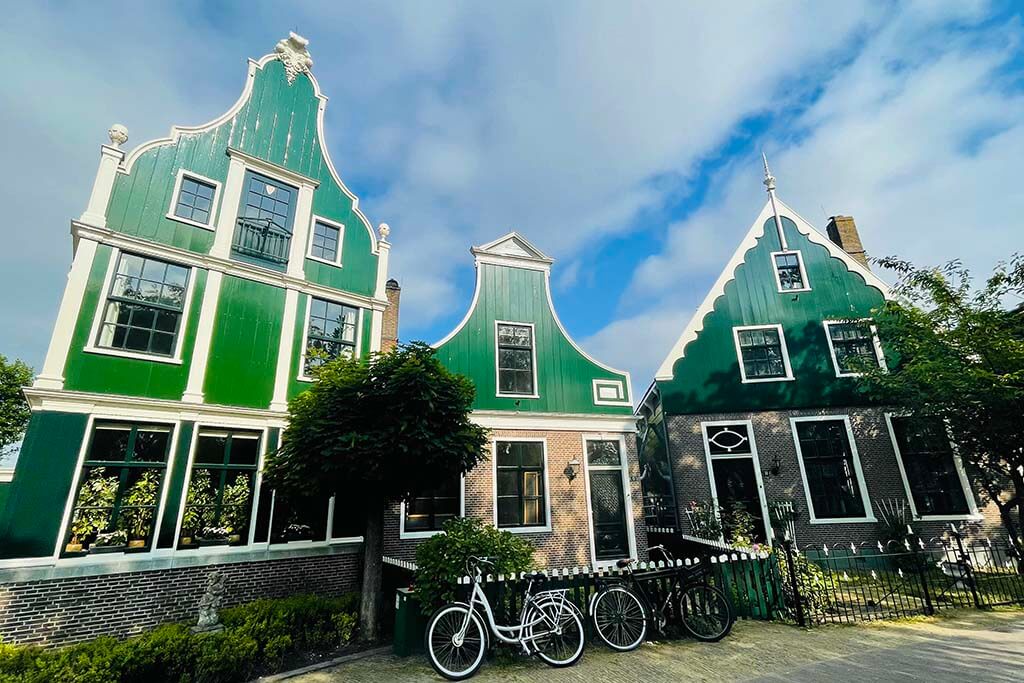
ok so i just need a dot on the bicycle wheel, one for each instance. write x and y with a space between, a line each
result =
705 613
620 618
454 658
562 639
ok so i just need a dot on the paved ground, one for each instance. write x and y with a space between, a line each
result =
967 646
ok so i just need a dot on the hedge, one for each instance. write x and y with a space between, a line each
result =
258 637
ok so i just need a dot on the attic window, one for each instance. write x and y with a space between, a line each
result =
515 360
789 271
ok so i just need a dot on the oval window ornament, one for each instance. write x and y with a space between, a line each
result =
728 439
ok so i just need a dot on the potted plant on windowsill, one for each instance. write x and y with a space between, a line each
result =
138 506
198 503
214 535
235 503
110 542
96 497
297 532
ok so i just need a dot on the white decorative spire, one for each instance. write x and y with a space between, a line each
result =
118 135
769 183
293 53
384 230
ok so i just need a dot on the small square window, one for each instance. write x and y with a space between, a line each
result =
854 347
195 200
762 353
326 242
789 271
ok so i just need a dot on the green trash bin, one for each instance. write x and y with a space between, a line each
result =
410 623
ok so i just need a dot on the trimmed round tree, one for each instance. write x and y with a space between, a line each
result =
375 432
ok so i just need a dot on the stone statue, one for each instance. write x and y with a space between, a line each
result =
209 604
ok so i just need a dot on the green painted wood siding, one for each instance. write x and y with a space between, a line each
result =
707 378
277 123
101 373
564 375
245 344
46 466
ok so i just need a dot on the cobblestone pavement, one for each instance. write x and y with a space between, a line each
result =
970 645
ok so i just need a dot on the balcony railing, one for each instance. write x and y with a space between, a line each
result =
262 240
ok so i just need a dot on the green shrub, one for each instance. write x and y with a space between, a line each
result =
441 559
259 636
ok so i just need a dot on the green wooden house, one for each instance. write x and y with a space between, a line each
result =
212 269
563 469
756 410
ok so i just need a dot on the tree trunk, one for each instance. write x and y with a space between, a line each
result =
373 548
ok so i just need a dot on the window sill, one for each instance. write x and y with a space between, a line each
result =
135 356
969 517
795 291
413 535
845 520
500 395
336 264
768 379
526 529
189 221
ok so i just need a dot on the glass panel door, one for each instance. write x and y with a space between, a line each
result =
608 507
737 493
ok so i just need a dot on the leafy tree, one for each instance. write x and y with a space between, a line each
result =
960 357
373 433
14 410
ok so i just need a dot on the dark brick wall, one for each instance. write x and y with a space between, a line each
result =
774 437
568 542
70 610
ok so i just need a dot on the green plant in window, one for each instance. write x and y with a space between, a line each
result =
739 525
138 507
704 520
96 499
235 504
198 504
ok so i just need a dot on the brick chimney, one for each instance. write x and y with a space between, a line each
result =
389 333
843 231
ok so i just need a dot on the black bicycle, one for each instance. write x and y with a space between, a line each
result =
623 606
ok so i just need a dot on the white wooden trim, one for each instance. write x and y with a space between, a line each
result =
301 226
407 535
103 185
529 421
52 374
533 349
469 313
782 342
755 463
204 337
875 343
803 271
627 497
756 230
869 515
214 203
340 227
618 384
494 484
285 351
972 505
302 376
91 345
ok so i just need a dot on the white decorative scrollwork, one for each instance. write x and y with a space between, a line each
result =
293 53
728 439
118 135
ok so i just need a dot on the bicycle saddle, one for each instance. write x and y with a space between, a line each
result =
622 564
535 576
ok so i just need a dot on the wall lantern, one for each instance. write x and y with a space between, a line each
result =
773 468
572 469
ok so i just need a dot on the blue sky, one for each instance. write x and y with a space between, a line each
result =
623 139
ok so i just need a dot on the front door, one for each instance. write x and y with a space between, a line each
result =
737 493
609 515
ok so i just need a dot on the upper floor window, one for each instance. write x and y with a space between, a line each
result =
762 353
265 217
325 242
144 306
830 468
789 271
854 346
430 510
929 466
194 200
519 485
331 333
118 494
516 360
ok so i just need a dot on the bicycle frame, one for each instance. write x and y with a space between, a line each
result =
517 633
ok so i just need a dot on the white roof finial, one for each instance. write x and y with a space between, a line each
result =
769 179
293 53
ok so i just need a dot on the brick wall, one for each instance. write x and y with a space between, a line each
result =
63 611
568 544
389 328
773 436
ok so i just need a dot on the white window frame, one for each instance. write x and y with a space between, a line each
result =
803 271
862 487
101 307
312 232
627 497
533 349
756 462
69 504
972 504
405 535
214 203
876 344
302 376
615 384
782 342
494 485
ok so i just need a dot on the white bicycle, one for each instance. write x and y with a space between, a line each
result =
550 626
